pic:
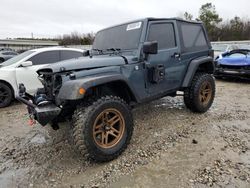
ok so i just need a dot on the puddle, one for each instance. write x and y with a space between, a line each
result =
12 178
38 139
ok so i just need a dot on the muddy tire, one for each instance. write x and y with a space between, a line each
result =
6 95
102 129
200 95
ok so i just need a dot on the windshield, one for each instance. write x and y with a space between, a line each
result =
224 47
123 37
16 58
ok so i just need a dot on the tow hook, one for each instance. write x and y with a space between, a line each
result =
31 120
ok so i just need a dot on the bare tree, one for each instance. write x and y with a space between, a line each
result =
188 16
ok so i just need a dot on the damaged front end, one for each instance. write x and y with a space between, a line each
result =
41 106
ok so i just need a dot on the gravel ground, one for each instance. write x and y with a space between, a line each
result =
171 147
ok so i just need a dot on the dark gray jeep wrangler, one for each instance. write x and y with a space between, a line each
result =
129 64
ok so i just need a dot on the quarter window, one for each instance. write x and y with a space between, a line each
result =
193 37
164 34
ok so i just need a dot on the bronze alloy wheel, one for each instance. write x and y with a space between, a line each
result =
205 93
108 128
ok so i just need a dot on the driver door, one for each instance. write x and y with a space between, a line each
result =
164 68
28 75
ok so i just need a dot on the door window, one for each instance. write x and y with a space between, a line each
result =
45 58
164 34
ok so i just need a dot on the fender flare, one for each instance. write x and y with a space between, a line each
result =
70 89
194 65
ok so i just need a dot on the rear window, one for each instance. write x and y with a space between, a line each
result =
67 54
193 37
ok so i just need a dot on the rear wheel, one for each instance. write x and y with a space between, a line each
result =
6 95
103 129
200 95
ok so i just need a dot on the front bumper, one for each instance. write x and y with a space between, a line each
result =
227 72
44 114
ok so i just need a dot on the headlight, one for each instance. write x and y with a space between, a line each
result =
40 78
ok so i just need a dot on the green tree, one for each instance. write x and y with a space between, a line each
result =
88 39
211 19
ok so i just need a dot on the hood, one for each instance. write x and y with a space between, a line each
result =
234 61
88 63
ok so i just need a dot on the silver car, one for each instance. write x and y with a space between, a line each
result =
5 55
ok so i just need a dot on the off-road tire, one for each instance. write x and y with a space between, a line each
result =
84 119
6 95
191 94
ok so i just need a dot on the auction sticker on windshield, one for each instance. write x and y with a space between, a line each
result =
133 26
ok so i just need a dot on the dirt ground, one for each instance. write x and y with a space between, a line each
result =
171 147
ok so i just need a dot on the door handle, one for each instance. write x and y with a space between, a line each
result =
176 55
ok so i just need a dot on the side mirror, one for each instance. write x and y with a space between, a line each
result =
26 64
150 47
85 53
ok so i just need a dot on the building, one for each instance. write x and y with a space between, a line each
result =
83 47
22 45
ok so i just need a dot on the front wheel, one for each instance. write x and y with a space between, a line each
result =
6 95
103 129
200 95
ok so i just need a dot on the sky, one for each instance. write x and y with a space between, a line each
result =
51 18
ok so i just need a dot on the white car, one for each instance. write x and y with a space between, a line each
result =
22 69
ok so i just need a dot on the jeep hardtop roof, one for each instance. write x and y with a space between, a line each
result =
174 18
154 19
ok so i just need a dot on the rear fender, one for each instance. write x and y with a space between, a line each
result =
204 64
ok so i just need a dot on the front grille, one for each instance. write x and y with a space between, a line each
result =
230 67
57 84
48 85
247 67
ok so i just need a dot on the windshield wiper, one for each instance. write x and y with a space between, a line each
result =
117 50
98 50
